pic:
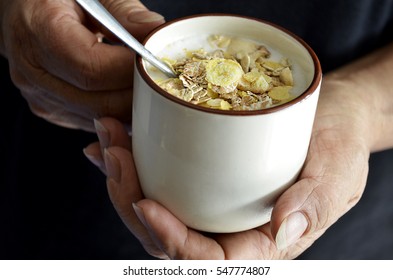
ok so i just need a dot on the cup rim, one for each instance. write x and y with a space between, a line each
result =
304 95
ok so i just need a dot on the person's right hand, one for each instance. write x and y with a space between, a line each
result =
65 73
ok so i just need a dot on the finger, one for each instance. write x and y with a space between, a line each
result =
173 237
68 106
134 16
330 184
180 242
252 244
39 86
110 133
94 155
51 107
59 115
74 53
124 190
71 52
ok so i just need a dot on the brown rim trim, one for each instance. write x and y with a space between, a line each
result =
309 91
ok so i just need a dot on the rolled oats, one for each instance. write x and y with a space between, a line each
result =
237 75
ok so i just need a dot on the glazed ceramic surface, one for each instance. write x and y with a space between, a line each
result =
221 171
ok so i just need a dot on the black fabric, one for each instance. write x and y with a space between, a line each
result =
337 30
54 204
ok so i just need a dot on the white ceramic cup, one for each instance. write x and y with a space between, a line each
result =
215 170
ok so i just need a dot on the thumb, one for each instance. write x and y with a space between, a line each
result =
134 16
330 184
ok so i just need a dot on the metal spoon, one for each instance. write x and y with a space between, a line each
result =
98 11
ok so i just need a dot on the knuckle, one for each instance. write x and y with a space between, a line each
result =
16 78
354 199
116 105
116 7
38 111
328 205
90 73
322 209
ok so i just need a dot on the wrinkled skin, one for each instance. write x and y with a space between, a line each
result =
57 61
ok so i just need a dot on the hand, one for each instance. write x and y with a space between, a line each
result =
331 182
65 73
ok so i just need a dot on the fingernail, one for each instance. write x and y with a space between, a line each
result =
102 133
151 240
94 159
291 229
112 164
144 16
139 212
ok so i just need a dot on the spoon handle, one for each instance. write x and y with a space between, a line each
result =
98 11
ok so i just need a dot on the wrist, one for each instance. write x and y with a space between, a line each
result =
346 115
363 89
